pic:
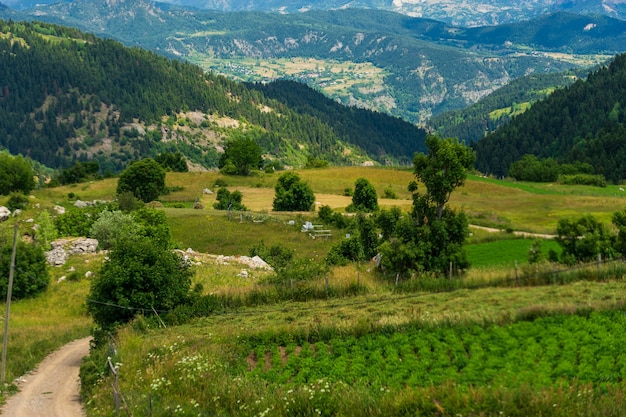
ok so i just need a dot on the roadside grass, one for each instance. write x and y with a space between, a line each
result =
42 324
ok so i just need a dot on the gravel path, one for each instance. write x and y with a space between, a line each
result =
52 390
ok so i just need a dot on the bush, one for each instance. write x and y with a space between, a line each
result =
220 182
128 202
346 251
276 255
77 222
229 201
46 232
325 214
30 274
292 194
583 179
17 201
112 226
16 174
389 193
138 277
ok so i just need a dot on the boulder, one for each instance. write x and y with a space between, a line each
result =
5 213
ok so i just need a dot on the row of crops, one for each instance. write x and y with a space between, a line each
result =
540 353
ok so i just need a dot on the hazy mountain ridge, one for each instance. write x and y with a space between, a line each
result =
465 13
427 67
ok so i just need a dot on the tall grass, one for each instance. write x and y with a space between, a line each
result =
42 324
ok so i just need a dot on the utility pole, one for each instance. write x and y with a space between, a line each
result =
8 309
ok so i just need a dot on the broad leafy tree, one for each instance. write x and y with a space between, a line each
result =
619 221
292 194
16 174
138 277
432 237
240 157
583 239
442 170
145 179
364 197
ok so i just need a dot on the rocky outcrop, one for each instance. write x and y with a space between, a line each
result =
62 248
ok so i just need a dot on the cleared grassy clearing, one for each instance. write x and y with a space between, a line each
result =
504 253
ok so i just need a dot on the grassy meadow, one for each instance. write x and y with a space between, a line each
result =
486 345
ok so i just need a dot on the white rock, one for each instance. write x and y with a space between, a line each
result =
59 209
5 213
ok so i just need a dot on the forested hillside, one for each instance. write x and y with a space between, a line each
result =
498 108
385 135
580 123
68 96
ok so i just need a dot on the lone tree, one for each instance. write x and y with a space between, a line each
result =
433 236
138 277
292 194
442 170
364 197
240 157
145 179
16 174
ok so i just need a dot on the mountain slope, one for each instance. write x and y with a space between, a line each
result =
584 122
424 67
498 108
67 96
465 13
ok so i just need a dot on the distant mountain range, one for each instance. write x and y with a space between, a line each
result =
409 67
459 13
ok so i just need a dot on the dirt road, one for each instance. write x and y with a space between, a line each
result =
52 389
516 232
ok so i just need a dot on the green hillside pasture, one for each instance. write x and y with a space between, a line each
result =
504 253
221 233
384 356
41 325
533 207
